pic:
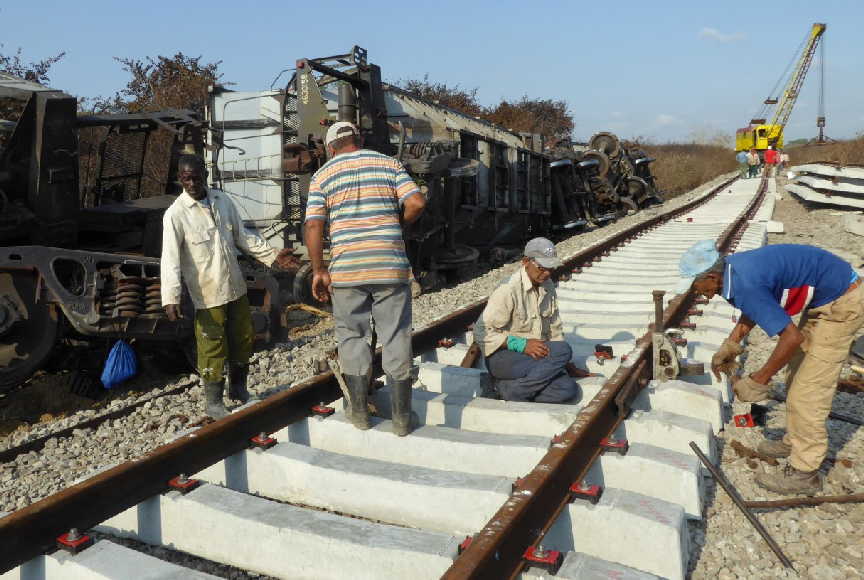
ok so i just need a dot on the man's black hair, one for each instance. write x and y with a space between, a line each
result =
190 161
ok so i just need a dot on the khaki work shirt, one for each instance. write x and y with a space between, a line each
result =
200 244
517 308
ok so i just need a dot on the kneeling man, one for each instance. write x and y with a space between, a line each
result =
520 333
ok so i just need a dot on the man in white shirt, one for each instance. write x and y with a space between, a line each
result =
521 334
201 234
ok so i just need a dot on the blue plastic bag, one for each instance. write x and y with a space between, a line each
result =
120 365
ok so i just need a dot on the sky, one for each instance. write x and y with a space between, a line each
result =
662 71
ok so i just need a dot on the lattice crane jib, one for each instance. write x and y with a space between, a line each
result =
793 85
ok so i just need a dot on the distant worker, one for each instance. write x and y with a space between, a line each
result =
365 196
521 334
201 233
770 285
743 167
771 160
784 161
753 162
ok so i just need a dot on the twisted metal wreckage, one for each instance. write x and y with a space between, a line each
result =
82 195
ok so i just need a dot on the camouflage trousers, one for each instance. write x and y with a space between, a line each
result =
223 333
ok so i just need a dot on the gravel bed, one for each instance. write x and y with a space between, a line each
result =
64 461
822 542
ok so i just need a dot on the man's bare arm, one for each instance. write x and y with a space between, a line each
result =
790 340
413 208
742 329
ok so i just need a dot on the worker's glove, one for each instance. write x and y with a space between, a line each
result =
748 390
723 360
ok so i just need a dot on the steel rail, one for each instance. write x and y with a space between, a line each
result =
497 550
32 531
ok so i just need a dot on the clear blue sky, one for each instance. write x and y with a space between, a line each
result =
663 70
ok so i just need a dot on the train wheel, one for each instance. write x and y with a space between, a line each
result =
28 329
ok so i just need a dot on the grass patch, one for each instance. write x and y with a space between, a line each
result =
682 167
849 152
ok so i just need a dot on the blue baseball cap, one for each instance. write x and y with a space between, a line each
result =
697 259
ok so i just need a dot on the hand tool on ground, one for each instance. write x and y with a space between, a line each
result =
736 499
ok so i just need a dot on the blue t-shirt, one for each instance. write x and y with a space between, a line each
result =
741 157
774 283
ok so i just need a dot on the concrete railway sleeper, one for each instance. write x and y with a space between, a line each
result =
478 487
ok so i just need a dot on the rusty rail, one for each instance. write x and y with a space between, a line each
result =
497 551
33 530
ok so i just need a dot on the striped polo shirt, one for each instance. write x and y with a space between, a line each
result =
360 194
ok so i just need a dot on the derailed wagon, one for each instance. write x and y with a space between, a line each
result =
487 187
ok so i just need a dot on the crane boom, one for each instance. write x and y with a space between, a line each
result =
759 135
793 87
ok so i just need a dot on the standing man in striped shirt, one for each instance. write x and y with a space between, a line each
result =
365 196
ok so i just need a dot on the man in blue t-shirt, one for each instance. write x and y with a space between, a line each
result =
770 285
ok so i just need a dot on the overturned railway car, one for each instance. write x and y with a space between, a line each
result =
487 187
81 205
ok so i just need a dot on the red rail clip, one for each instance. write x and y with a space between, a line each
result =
446 342
262 441
322 410
687 324
517 483
689 220
556 439
619 446
183 484
549 560
466 543
745 420
74 542
589 493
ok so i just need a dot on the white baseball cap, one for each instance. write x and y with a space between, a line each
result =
339 130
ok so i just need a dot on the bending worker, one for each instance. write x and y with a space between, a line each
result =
520 333
770 285
201 233
360 193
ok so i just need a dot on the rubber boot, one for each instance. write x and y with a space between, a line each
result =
238 376
358 412
213 405
400 400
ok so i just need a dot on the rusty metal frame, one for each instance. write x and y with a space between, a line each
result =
32 531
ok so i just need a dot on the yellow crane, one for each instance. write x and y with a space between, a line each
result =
760 135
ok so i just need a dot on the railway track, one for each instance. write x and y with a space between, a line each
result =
474 491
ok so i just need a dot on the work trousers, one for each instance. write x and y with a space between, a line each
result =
769 170
754 171
743 169
828 333
522 378
390 307
223 332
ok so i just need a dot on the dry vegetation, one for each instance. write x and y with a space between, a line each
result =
681 167
842 152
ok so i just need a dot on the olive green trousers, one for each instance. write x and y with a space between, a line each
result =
223 333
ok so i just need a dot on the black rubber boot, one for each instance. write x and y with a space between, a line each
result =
400 404
359 410
238 376
213 405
